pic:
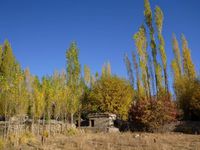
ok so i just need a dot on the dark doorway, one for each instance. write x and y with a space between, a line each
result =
92 123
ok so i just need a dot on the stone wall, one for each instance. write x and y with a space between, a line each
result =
38 127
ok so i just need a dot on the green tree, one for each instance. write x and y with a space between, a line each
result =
73 78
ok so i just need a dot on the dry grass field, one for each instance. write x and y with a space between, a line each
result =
118 141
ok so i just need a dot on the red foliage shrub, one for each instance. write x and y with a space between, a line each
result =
151 114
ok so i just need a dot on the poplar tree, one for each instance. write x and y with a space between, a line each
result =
159 23
106 70
129 70
64 95
73 78
185 84
188 66
149 20
177 54
8 61
8 73
29 87
39 102
140 88
176 76
20 92
87 75
140 42
176 65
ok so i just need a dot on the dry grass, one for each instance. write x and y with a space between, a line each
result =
120 141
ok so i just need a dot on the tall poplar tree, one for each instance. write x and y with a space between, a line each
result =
73 78
140 88
8 61
129 70
188 65
140 42
177 54
87 75
149 21
159 23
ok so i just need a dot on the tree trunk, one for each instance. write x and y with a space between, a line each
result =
79 119
72 118
38 131
32 125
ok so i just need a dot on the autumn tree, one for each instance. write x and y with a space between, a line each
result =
188 66
129 69
151 108
159 23
112 94
141 45
177 55
185 84
149 22
106 69
29 87
8 61
140 89
87 75
73 78
39 102
8 72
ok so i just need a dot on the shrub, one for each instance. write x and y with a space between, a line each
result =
150 115
71 131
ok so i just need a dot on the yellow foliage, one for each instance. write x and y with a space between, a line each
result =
112 94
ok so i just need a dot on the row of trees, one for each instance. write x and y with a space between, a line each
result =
145 99
62 95
23 94
153 104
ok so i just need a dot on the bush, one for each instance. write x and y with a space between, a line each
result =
71 131
150 115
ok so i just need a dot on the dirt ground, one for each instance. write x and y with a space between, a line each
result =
119 141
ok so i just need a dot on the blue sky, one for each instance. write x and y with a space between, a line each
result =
40 31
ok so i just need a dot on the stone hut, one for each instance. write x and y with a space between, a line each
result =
102 121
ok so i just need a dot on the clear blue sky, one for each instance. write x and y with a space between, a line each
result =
40 31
